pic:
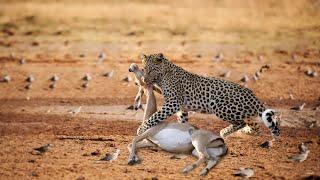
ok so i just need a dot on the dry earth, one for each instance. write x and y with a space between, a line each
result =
65 38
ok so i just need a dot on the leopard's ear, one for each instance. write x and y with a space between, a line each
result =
158 58
143 58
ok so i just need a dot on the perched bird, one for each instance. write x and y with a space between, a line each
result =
244 79
219 57
108 74
291 96
302 155
311 73
53 85
75 111
294 57
22 61
102 56
87 77
85 84
298 108
44 148
226 74
111 157
244 172
6 79
54 78
28 86
127 79
30 79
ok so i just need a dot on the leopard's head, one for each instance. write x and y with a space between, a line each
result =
154 67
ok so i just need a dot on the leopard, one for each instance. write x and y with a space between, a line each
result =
184 91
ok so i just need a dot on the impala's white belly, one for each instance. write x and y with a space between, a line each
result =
173 140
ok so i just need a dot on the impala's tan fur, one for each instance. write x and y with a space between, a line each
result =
204 144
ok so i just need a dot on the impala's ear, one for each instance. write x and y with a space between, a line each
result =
143 58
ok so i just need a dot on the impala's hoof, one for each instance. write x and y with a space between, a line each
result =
266 144
133 160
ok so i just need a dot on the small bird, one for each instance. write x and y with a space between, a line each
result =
302 155
298 108
127 79
22 61
85 84
294 57
6 79
311 73
28 86
291 96
102 56
53 85
111 157
87 77
219 57
245 78
244 172
43 149
54 78
226 74
108 74
75 111
30 79
260 57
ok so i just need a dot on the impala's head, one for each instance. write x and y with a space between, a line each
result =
153 66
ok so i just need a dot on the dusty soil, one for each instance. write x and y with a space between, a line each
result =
66 40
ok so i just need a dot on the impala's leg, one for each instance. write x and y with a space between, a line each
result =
210 164
137 100
132 147
203 156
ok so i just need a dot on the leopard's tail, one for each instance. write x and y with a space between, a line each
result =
269 120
